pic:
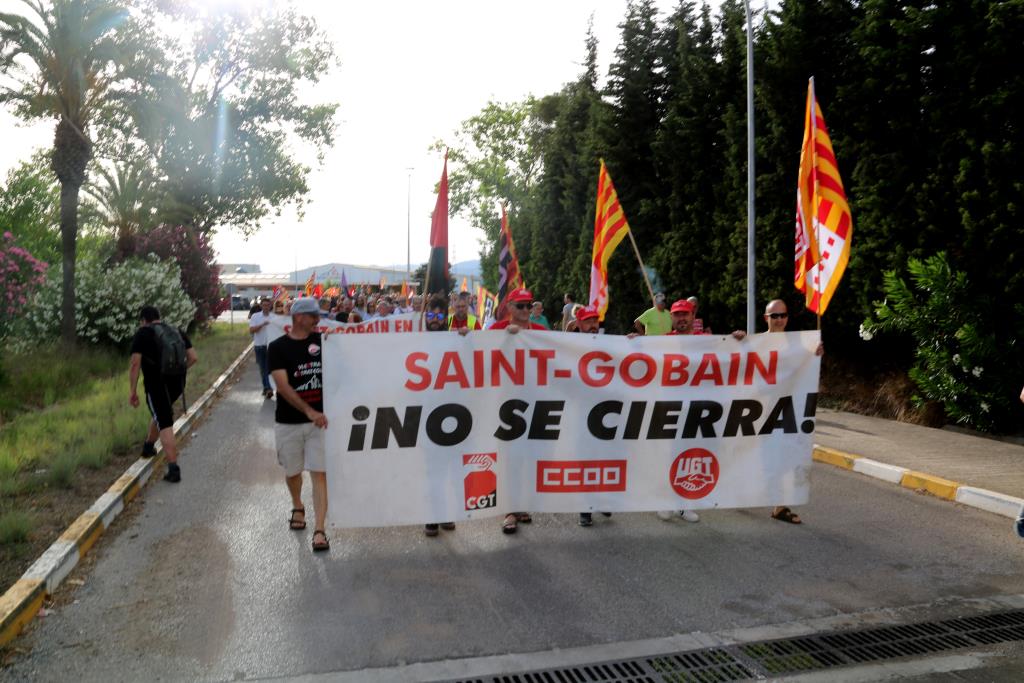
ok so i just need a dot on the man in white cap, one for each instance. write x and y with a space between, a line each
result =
295 361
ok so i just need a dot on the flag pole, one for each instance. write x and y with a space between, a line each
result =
647 280
814 171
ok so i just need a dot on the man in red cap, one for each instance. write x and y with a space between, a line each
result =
588 320
519 303
682 323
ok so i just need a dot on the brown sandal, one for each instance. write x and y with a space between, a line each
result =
523 517
510 524
786 515
321 545
297 524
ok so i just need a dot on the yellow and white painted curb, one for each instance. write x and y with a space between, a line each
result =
22 601
983 499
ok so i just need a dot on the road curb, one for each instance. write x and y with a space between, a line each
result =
22 601
982 499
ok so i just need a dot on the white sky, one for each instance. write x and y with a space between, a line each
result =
410 72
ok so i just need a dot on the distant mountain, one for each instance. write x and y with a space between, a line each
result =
467 267
471 268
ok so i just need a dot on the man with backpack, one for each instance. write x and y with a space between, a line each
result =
163 354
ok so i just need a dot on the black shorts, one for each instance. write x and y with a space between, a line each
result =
160 400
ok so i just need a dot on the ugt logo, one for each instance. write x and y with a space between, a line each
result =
694 473
481 483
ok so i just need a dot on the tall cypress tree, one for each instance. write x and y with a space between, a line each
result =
635 90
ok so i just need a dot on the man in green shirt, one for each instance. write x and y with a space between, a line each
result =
655 320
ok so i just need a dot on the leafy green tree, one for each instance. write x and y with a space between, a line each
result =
221 112
495 157
30 207
65 60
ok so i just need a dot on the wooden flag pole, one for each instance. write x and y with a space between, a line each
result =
647 280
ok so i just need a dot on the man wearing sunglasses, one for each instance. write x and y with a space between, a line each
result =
776 315
519 304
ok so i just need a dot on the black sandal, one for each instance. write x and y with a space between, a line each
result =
297 524
523 517
323 545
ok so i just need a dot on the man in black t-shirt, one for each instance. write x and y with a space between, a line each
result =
161 390
295 362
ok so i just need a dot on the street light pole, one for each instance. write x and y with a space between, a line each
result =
751 274
408 223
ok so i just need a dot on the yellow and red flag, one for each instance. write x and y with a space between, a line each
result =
405 290
465 284
824 225
309 284
610 228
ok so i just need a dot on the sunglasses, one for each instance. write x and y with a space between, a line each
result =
776 316
436 316
521 306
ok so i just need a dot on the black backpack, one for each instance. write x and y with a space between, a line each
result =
172 350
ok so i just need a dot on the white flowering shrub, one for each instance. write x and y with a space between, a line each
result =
107 301
955 343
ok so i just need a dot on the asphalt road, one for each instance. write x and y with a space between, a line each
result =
206 581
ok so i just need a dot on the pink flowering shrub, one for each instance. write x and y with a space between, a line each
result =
193 252
21 275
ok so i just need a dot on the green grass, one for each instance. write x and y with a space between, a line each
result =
48 375
93 420
15 527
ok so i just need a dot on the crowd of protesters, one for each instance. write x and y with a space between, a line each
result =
293 361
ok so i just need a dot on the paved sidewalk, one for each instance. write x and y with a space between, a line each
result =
972 460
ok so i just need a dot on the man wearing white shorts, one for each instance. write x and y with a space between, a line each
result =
295 362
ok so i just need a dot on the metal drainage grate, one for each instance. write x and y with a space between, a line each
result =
788 655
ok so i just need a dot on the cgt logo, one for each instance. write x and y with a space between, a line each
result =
481 483
694 473
580 476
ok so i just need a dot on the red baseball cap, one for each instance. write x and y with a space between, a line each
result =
587 312
682 306
520 295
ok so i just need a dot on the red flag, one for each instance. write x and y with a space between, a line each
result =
437 267
318 291
509 278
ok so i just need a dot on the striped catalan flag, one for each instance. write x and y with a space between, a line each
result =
824 225
610 228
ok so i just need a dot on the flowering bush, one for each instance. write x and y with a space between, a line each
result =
959 361
20 275
191 249
107 301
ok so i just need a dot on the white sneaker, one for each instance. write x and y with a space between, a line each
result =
689 515
665 515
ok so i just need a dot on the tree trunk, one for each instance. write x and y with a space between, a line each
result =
71 154
69 241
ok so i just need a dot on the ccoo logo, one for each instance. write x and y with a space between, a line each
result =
694 473
481 483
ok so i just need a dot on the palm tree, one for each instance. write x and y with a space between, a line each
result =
125 199
64 60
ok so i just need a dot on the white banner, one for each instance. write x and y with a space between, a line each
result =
405 322
436 427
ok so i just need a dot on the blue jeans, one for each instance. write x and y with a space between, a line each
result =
261 360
